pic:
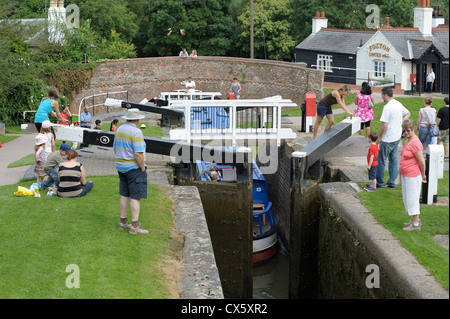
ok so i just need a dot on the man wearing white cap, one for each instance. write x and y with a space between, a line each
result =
129 148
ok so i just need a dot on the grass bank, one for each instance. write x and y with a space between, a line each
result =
435 219
42 236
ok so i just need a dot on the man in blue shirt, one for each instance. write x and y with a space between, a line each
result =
85 121
85 118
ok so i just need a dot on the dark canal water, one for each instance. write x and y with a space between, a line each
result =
271 278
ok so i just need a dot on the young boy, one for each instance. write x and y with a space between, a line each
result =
372 161
98 123
51 166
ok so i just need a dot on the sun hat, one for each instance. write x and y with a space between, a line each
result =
64 147
133 114
46 124
40 139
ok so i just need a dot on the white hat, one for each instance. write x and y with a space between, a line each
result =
133 114
40 139
46 124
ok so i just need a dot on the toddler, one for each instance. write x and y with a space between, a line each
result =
372 161
39 156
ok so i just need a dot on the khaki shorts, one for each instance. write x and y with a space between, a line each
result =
443 135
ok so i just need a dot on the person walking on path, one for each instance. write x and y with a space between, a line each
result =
443 123
129 147
49 105
392 117
412 173
426 118
324 107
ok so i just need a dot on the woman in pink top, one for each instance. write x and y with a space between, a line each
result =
412 172
363 110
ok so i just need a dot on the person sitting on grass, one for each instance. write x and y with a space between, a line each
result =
51 166
72 178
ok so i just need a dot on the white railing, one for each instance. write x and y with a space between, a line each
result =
232 120
92 97
184 95
379 81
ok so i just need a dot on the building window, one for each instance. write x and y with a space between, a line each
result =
379 68
325 62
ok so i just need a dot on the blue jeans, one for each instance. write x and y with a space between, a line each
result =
387 150
425 137
52 178
86 188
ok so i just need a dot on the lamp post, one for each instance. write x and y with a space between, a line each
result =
252 53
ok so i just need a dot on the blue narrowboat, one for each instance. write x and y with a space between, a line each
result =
264 224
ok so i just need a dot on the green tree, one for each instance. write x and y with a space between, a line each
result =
115 48
105 16
167 26
20 87
271 30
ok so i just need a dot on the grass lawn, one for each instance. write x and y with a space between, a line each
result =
41 236
149 131
435 220
6 138
413 104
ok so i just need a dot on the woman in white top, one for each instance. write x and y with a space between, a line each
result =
427 117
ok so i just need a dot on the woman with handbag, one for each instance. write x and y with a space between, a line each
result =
425 121
364 101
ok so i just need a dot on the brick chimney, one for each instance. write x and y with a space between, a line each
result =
61 3
423 17
53 3
319 22
438 17
386 22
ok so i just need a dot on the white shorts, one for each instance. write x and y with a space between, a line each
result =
411 187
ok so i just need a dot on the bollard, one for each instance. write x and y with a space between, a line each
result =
310 110
303 124
434 169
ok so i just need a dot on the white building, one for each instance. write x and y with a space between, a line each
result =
387 55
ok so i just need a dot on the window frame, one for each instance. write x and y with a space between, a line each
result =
381 66
324 63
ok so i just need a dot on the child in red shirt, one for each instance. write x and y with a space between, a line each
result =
372 163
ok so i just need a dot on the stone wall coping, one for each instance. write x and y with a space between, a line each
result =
402 268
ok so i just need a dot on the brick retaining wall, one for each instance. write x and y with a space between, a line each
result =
147 77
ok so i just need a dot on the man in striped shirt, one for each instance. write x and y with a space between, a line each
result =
129 148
